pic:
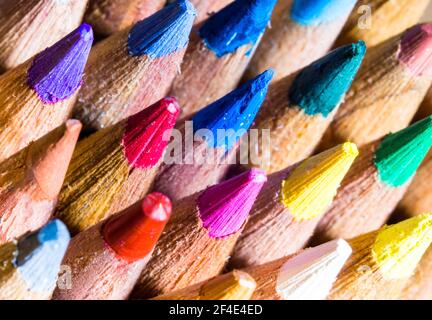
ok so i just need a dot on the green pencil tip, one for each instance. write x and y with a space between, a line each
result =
401 153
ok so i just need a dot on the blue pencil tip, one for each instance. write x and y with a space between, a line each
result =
315 12
238 24
231 116
164 32
40 254
320 87
56 72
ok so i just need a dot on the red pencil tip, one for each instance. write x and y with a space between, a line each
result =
147 133
133 234
416 49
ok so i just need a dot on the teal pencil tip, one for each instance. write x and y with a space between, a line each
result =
320 87
401 153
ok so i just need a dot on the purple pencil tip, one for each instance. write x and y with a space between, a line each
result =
56 72
225 207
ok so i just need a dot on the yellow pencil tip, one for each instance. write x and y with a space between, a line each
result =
310 188
350 149
237 285
398 248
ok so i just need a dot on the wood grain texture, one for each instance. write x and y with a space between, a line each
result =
110 16
29 26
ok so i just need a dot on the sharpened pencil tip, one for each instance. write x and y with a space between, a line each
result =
310 274
56 73
240 23
398 248
416 49
164 32
309 189
133 234
400 154
225 207
143 139
320 87
316 12
40 254
234 112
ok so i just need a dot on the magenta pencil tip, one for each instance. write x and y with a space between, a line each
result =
56 73
225 207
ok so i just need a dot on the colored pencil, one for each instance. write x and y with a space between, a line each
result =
111 16
30 181
29 26
200 236
107 259
236 285
301 32
299 108
133 69
235 111
383 260
114 168
37 96
376 183
30 264
375 21
388 90
206 8
307 275
219 52
426 106
289 207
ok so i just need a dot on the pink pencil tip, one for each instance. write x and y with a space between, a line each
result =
143 139
416 49
225 207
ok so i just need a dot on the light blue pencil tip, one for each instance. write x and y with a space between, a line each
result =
238 24
233 113
164 32
315 12
40 254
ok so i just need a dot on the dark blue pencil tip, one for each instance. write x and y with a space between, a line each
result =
56 72
233 113
315 12
320 87
238 24
164 32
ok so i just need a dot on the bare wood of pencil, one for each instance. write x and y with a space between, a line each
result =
110 16
200 236
394 17
38 95
390 85
376 183
134 68
30 181
301 32
29 26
